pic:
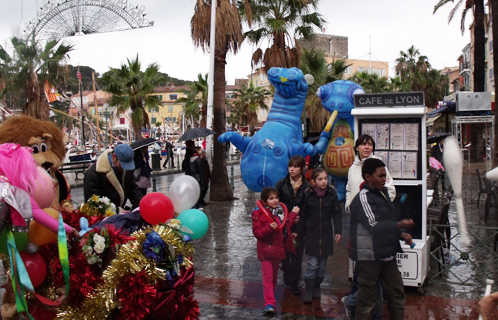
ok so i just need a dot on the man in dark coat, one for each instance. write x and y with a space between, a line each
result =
291 193
375 233
169 155
112 177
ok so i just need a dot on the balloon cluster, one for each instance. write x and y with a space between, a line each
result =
184 192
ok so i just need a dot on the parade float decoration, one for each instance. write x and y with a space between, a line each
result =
265 155
110 273
336 141
47 143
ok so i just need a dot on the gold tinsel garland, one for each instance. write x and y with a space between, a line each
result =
129 260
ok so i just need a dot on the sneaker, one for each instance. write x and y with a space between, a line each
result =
349 313
269 308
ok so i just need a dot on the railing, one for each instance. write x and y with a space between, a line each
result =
76 167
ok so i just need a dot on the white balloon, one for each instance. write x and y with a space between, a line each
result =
492 175
184 193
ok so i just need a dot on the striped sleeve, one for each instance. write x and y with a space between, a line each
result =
366 207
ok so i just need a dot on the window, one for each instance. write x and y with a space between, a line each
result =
491 73
170 109
381 72
93 111
160 97
153 120
362 69
121 120
491 46
173 96
348 70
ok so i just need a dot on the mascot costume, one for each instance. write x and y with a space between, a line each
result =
46 140
265 155
337 139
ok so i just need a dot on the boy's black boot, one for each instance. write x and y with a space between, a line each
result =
316 288
308 290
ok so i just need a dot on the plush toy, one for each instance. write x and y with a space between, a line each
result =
265 155
46 140
21 182
337 139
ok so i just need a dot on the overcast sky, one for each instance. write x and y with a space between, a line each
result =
392 25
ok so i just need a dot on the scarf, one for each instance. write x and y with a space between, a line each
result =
296 184
320 192
277 212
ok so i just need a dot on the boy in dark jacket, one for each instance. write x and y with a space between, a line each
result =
375 234
321 207
291 190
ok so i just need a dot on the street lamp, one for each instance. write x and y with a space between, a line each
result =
106 115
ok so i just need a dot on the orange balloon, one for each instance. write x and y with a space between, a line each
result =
40 235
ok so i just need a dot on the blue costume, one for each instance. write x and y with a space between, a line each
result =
337 145
265 155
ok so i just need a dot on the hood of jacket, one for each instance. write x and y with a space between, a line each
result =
358 161
104 166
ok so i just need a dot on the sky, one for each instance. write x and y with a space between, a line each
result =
390 26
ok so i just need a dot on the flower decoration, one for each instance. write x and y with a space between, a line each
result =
94 244
98 206
154 246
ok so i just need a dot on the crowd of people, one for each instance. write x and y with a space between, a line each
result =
298 217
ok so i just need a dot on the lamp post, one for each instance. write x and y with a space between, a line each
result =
106 115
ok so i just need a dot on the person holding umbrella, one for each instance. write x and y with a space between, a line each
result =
192 166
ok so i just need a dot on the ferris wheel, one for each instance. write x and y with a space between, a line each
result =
67 18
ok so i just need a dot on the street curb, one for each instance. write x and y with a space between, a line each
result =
80 183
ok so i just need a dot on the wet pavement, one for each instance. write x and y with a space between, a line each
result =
229 280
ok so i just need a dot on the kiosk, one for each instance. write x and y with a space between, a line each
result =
396 121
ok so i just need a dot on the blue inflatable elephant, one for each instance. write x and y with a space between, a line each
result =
265 156
337 144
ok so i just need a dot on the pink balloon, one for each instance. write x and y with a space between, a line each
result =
44 190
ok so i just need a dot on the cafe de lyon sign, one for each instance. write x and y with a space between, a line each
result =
396 99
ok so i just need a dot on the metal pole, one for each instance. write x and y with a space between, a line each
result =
212 48
232 184
154 188
82 117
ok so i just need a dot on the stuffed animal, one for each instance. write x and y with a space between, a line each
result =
46 140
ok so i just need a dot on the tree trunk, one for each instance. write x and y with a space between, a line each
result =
494 18
479 46
220 186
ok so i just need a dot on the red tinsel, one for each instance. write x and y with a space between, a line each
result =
72 218
83 278
136 296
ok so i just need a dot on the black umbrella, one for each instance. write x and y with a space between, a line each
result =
433 138
142 143
196 133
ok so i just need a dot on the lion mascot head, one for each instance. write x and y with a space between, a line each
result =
46 140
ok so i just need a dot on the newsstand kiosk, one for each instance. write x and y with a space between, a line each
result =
396 121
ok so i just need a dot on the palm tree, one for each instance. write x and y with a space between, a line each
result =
416 73
196 100
131 88
228 38
371 82
477 7
280 22
23 74
249 100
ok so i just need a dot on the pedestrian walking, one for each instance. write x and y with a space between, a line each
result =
193 166
169 154
291 190
320 210
375 233
207 175
364 149
274 239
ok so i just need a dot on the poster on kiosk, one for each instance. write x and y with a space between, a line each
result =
396 121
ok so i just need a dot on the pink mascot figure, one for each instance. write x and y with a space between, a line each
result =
24 188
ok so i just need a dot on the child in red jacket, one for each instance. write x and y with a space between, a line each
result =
272 230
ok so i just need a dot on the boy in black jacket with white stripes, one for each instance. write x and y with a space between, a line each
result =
375 234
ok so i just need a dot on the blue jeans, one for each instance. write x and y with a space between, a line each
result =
316 267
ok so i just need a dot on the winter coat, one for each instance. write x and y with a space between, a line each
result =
373 232
316 222
101 179
287 197
192 166
355 179
271 243
207 173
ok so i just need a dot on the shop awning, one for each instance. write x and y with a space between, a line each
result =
430 121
